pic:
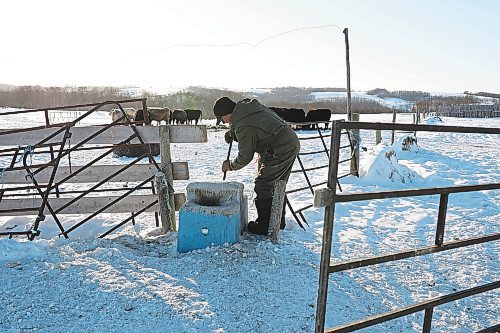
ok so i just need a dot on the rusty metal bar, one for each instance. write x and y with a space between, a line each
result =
106 207
91 189
313 152
492 329
129 218
304 188
28 233
346 160
443 206
420 128
309 169
45 196
377 319
14 157
120 189
428 320
323 141
346 265
343 176
326 248
293 212
305 174
303 208
416 192
309 137
94 161
30 209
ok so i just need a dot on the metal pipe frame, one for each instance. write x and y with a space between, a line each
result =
326 268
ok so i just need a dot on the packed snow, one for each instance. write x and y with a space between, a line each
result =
133 282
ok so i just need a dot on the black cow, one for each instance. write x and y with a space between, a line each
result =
279 111
193 115
290 115
178 116
319 115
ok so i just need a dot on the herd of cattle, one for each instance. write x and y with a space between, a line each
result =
300 119
188 116
297 118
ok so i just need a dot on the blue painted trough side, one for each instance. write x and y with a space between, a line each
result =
214 214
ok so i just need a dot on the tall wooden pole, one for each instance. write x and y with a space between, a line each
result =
350 117
349 111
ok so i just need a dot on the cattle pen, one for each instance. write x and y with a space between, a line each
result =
329 198
38 177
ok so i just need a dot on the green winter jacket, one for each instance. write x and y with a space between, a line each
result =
258 129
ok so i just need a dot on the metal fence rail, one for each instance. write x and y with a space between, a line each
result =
59 150
328 198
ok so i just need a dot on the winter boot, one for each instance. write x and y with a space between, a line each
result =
261 225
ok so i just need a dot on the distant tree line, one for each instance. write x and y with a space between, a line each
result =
482 93
433 104
190 98
408 95
30 97
203 98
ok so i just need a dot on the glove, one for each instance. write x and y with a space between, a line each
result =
226 166
228 136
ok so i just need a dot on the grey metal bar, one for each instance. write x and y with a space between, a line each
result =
420 128
345 265
91 189
305 174
492 329
416 192
377 319
326 248
304 188
129 218
313 152
427 320
443 205
106 206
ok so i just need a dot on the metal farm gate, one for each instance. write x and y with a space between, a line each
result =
38 176
328 198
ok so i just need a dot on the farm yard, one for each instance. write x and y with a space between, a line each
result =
134 280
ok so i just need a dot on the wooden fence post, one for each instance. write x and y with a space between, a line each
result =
277 211
393 121
168 217
164 202
378 136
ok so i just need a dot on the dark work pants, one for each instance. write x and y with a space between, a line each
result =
277 166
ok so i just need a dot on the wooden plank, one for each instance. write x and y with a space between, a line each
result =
96 173
165 203
115 134
87 205
188 134
167 215
277 211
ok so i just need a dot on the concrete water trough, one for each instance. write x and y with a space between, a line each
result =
215 213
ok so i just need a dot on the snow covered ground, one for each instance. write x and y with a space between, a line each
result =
132 282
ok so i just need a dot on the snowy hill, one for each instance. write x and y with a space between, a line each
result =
391 102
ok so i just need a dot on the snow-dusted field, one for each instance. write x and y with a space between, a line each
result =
135 283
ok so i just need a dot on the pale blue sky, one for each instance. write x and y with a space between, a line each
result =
442 46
